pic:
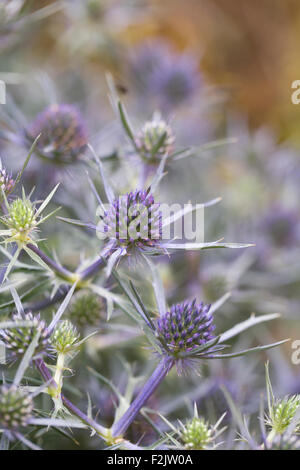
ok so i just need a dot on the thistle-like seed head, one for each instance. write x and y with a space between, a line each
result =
15 407
63 136
86 309
18 339
185 327
282 413
64 337
197 434
155 140
133 220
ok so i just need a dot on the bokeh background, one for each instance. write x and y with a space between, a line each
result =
215 69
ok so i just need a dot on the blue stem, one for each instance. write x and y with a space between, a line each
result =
149 388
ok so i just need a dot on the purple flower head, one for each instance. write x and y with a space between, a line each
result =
63 135
171 76
18 339
132 221
185 329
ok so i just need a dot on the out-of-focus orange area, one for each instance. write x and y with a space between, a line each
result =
249 48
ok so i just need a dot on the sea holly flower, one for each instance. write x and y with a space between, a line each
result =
64 337
18 339
198 434
23 218
16 407
63 134
181 337
281 413
186 328
154 140
86 309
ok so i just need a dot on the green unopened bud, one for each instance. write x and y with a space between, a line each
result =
21 220
86 309
155 140
64 337
197 434
15 407
282 413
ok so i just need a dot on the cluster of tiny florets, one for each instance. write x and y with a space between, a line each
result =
21 219
63 136
282 413
15 407
133 219
155 140
18 339
186 326
86 309
196 434
64 337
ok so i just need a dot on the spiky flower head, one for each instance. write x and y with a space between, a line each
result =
23 218
185 327
63 136
282 412
15 407
196 434
86 309
283 442
64 337
18 339
155 140
132 221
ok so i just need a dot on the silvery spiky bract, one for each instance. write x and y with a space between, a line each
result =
18 339
185 327
15 407
196 434
154 140
86 309
64 337
63 136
